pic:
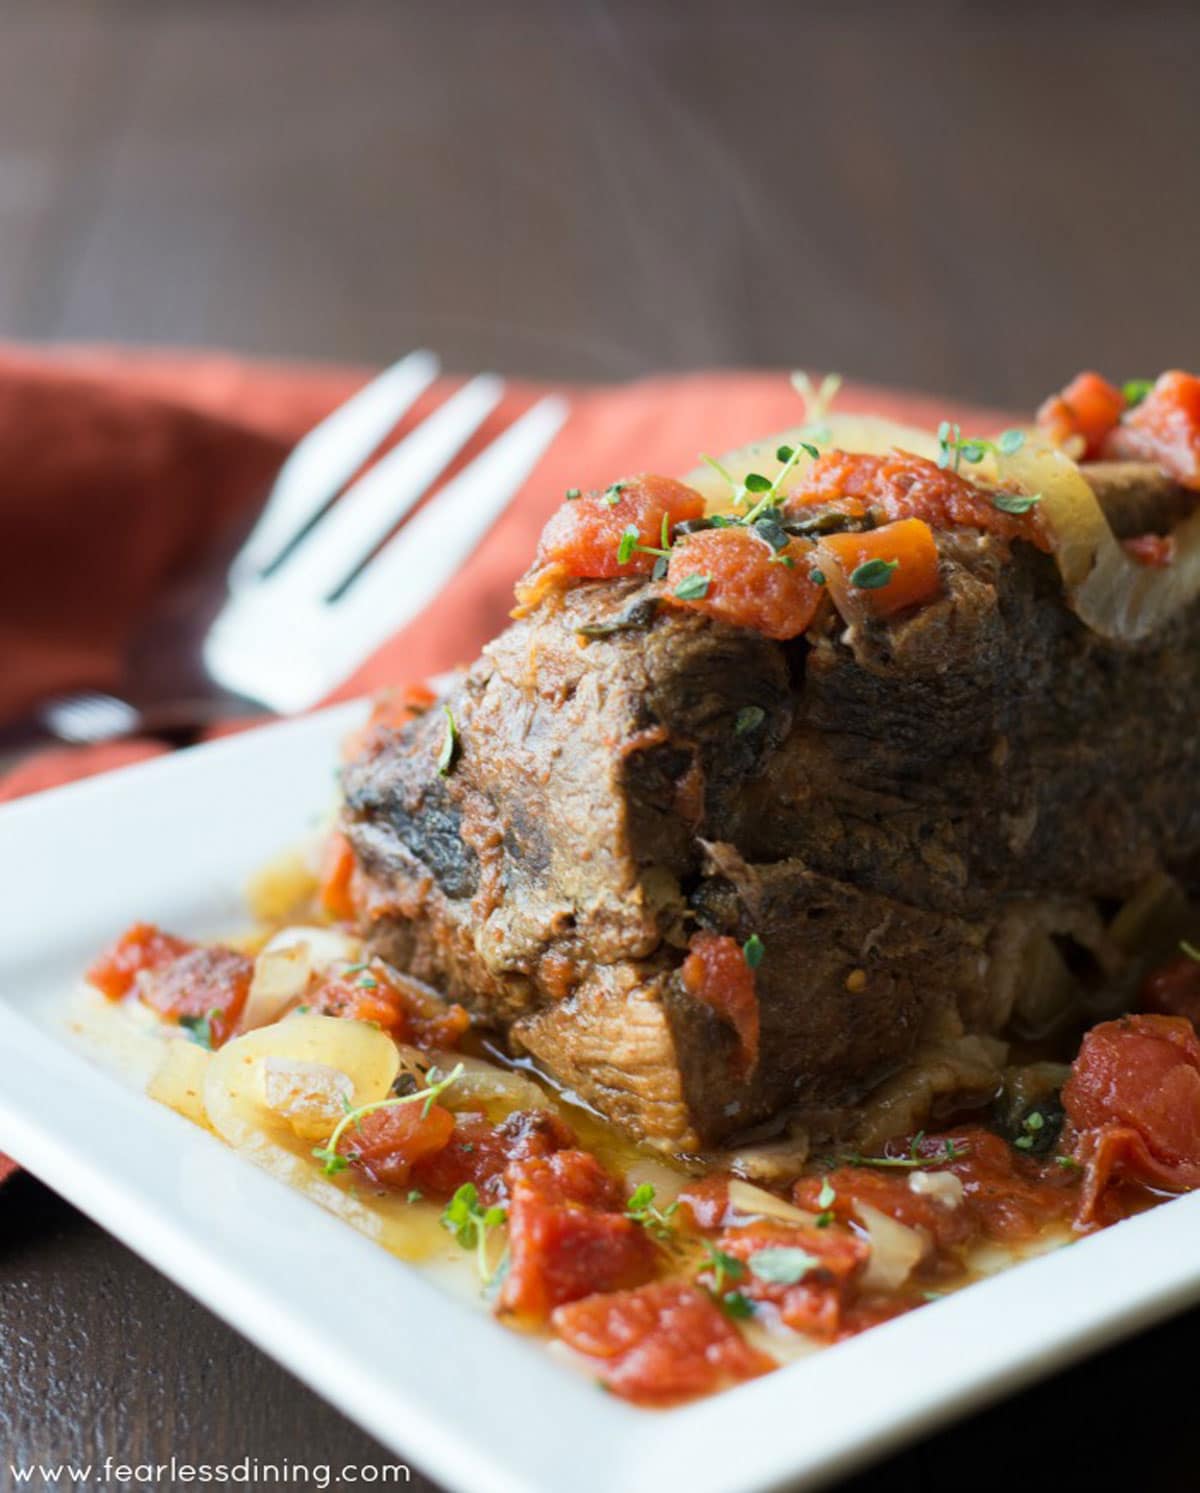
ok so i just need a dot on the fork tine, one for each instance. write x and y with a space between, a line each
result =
327 457
410 570
329 554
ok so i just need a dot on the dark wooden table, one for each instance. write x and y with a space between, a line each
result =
967 198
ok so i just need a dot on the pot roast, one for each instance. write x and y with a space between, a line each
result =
925 823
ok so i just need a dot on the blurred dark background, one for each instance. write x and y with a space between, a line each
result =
967 198
975 198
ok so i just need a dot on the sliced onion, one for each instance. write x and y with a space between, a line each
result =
756 1202
179 1080
487 1083
1116 597
311 1097
896 1250
1113 594
326 946
281 975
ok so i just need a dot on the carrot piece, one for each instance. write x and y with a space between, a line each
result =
881 571
337 870
1086 410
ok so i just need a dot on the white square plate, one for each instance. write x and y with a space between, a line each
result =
474 1405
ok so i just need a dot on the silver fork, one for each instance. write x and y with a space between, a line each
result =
318 584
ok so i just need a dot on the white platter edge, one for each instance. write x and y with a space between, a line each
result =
471 1404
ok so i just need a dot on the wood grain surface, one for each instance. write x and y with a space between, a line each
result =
956 197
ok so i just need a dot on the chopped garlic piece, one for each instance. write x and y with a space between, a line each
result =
311 1097
943 1187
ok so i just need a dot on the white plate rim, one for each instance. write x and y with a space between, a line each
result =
479 1407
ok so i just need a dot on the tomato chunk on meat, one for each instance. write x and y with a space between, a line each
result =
584 537
1134 1097
386 1144
733 575
717 973
659 1345
480 1152
1164 428
881 571
142 947
900 485
374 992
568 1236
1084 413
208 985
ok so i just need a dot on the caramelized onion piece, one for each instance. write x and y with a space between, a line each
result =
1114 595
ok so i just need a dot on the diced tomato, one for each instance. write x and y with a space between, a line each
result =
143 947
881 571
1164 429
733 575
1010 1197
566 1237
900 485
387 1143
585 535
374 992
1156 551
390 712
889 1191
210 982
1084 413
479 1152
817 1302
1173 989
337 872
716 972
1134 1097
707 1201
661 1344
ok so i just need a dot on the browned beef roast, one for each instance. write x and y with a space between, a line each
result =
913 816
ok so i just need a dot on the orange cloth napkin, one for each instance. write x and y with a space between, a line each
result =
117 468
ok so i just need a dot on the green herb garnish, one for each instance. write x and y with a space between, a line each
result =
656 1221
329 1154
573 493
753 950
200 1028
735 1305
914 1161
748 718
693 587
446 756
783 1266
725 1268
953 449
1189 949
1135 390
472 1224
872 574
1031 1124
1012 502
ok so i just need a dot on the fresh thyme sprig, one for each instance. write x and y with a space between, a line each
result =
914 1161
200 1029
725 1268
335 1162
954 449
656 1221
472 1225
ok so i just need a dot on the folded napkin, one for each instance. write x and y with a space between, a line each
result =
117 469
